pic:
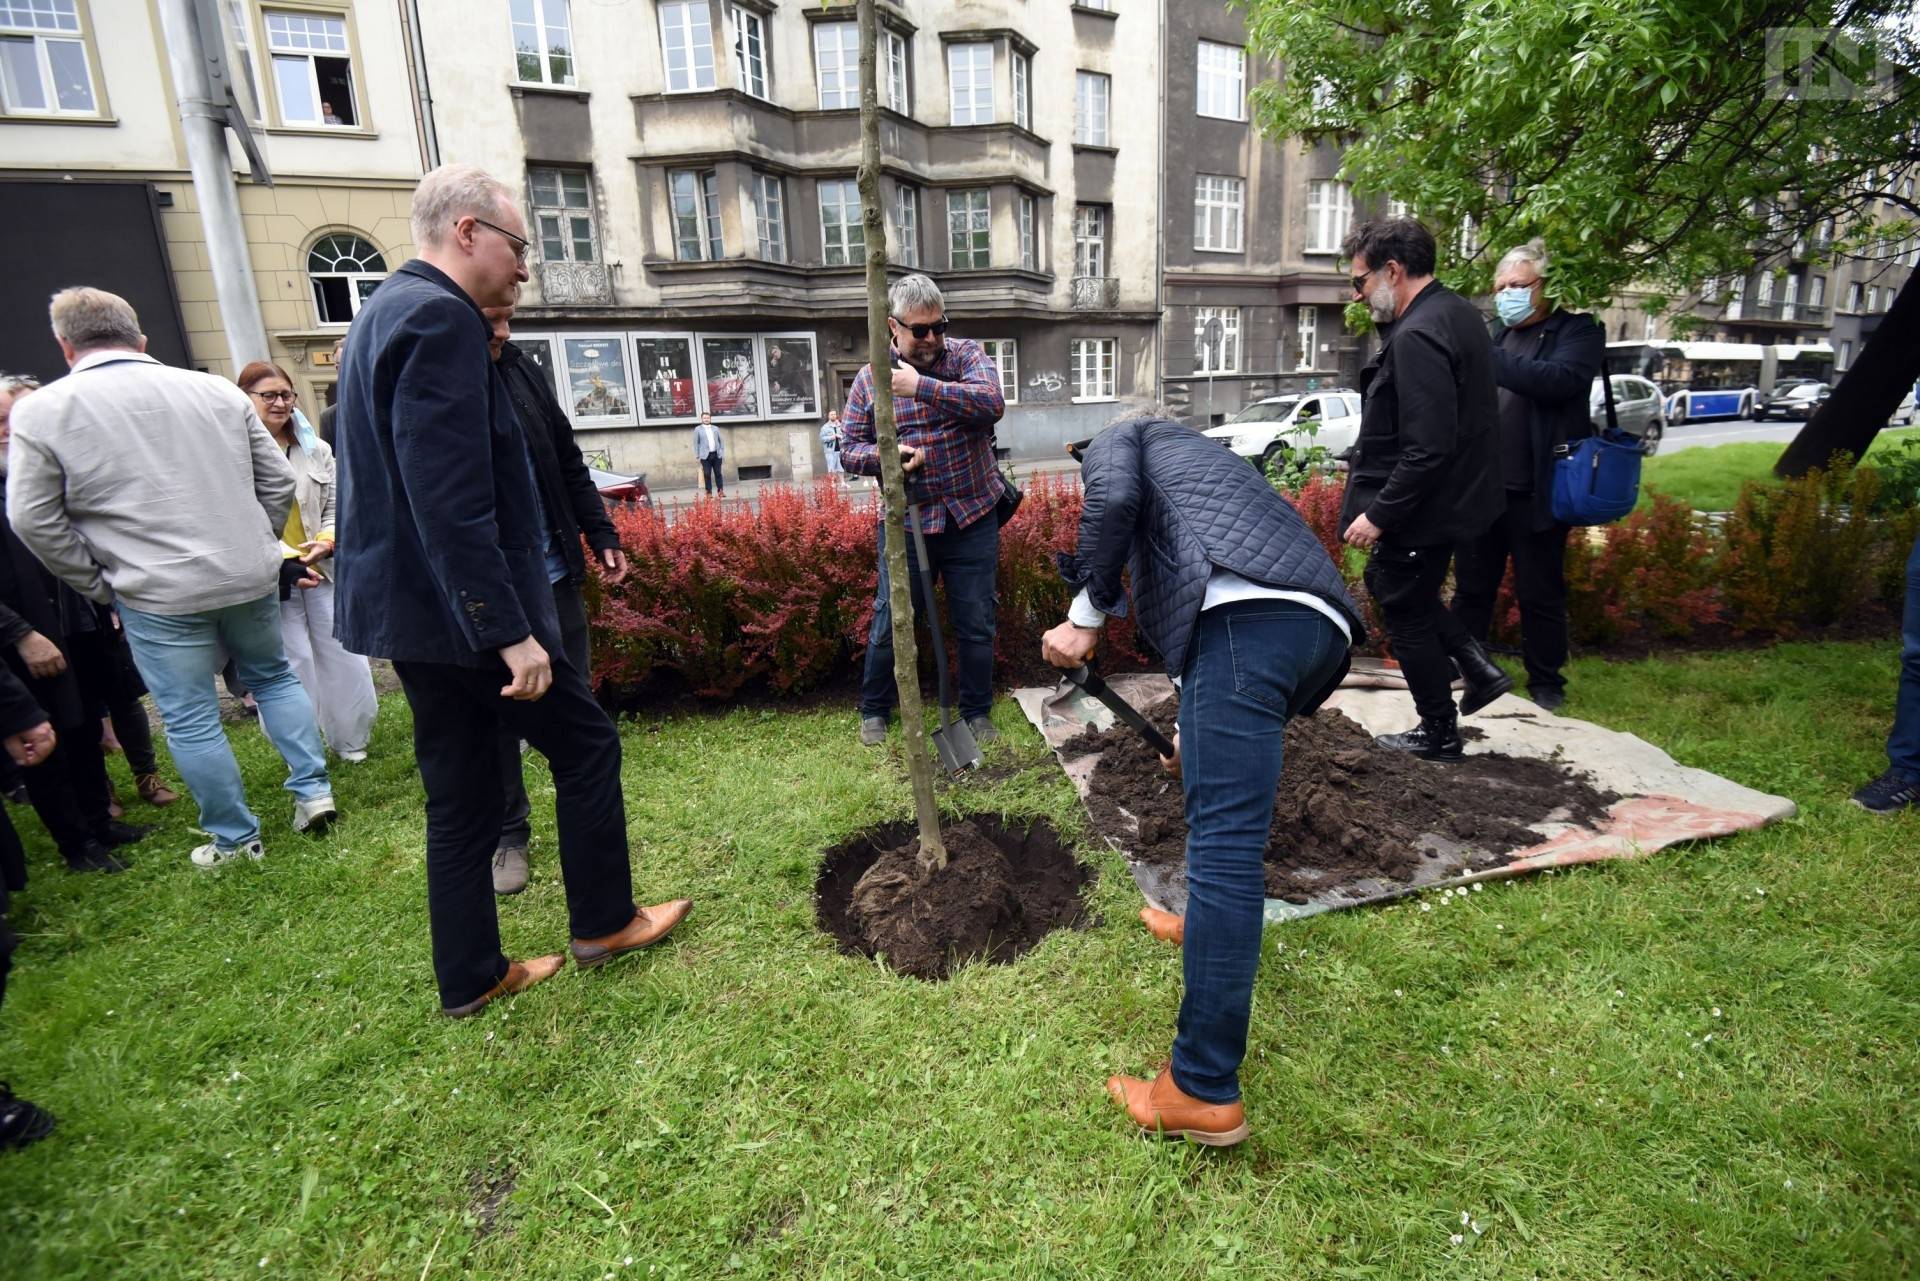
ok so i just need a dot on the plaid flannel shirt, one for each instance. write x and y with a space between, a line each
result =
951 416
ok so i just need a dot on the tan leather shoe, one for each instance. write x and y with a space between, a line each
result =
520 976
154 791
1162 1109
1165 926
648 926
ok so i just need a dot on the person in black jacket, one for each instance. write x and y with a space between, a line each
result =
1545 362
29 742
1236 593
1426 474
572 507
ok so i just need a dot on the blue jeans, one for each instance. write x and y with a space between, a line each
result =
1903 745
179 655
967 561
1251 663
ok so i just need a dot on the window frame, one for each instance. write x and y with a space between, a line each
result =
1098 213
1109 348
564 211
1009 383
906 200
847 73
1020 76
964 55
1027 214
689 8
1229 318
1204 208
762 183
738 16
39 39
274 54
707 209
1233 80
544 54
849 225
354 279
985 216
1321 211
1083 134
1306 331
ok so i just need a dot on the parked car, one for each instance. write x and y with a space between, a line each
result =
615 488
1281 424
1797 402
1638 404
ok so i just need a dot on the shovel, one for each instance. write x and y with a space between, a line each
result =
952 741
1089 680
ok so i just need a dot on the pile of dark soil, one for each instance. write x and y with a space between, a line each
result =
1347 811
1002 891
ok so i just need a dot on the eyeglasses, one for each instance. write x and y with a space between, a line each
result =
1360 281
274 397
919 332
520 243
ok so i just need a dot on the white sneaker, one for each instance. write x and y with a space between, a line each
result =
315 815
354 756
211 855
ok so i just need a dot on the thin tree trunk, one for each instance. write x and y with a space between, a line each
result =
893 480
1867 394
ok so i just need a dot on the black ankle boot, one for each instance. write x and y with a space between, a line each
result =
1485 680
1434 739
94 857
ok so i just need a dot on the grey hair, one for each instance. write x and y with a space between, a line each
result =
15 383
1534 252
450 193
91 318
914 293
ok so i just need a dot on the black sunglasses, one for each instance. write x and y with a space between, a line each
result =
1360 281
919 332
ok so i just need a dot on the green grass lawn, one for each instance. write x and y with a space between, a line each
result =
1701 1064
1709 477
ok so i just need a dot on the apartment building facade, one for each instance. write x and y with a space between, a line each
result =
92 158
689 168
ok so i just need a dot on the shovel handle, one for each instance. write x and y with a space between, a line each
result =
1089 680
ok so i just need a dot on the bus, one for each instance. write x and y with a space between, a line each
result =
1718 379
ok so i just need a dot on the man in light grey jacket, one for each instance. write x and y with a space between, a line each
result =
158 491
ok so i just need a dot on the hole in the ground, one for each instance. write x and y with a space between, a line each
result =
1006 886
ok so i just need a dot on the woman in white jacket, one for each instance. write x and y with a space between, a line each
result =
340 684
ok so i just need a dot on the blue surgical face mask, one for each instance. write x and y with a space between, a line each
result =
1513 305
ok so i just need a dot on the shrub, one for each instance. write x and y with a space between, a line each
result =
1803 551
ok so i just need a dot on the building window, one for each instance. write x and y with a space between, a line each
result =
696 214
542 41
1846 355
1791 298
1091 364
895 87
1222 81
1105 6
906 224
1225 359
1219 207
1853 296
1308 334
969 221
686 37
1022 92
563 215
1763 293
1089 240
1399 209
1029 233
1329 211
843 241
1873 293
970 80
750 50
770 216
43 60
1092 91
1005 355
1468 242
344 269
311 68
836 64
1650 330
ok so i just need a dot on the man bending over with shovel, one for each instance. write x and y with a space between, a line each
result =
1234 590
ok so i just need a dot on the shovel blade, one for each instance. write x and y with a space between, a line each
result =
956 748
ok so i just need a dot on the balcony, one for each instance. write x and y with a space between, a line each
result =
1095 293
575 282
1780 313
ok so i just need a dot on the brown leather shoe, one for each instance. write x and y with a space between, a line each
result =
1162 1109
648 926
521 975
153 791
1165 926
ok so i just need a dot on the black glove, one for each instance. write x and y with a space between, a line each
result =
291 573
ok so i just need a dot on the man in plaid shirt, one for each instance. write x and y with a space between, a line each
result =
946 400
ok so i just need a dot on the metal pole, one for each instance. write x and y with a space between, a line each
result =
203 122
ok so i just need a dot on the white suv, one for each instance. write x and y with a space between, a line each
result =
1281 424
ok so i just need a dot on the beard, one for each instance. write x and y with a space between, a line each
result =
1381 304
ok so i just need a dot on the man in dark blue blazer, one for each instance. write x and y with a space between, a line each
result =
440 568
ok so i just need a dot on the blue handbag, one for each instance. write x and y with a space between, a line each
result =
1597 480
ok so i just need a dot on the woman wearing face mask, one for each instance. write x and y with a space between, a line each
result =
340 684
1545 362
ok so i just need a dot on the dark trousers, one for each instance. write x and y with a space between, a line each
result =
458 717
711 475
69 788
1250 663
104 669
967 561
1539 583
1406 583
516 828
1903 744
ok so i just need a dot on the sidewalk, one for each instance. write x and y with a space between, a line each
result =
670 501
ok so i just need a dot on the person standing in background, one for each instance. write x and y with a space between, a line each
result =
712 455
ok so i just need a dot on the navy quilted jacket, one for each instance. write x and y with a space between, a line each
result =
1168 504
